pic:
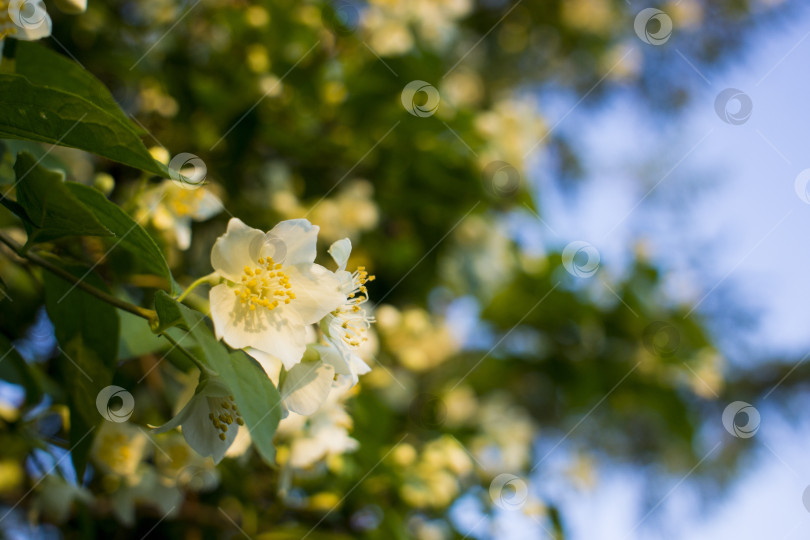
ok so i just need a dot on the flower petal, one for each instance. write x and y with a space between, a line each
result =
231 251
317 292
179 418
307 386
359 366
348 364
210 205
305 452
162 219
334 358
300 238
203 437
340 251
223 302
39 22
279 333
270 364
182 233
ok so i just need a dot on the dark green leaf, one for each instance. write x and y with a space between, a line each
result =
57 116
41 152
257 398
87 331
81 441
260 402
128 234
136 338
51 211
19 211
49 69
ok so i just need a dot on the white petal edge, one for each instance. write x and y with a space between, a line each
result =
271 365
300 238
340 251
182 233
317 292
307 386
209 206
231 251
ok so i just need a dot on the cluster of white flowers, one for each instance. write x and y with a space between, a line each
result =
304 324
28 20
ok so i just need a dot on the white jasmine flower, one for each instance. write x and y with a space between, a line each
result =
209 421
346 327
172 208
273 290
24 19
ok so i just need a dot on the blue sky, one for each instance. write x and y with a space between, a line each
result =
736 238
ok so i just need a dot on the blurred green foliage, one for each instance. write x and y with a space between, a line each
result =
295 108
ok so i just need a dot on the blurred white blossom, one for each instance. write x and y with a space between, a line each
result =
419 341
172 208
325 433
24 19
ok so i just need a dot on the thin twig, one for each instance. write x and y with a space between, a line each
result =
147 314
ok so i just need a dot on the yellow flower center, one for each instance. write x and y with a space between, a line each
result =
224 413
265 285
115 451
184 202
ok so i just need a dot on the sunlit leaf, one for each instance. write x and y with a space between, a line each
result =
49 69
58 116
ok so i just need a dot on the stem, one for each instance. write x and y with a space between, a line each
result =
195 284
8 50
147 314
203 370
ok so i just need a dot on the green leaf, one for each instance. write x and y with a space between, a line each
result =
81 441
260 404
58 116
14 369
51 211
128 234
49 69
87 332
136 338
257 398
169 314
41 152
19 211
